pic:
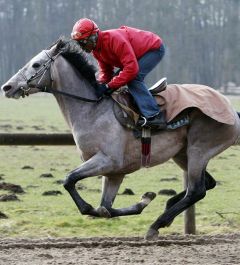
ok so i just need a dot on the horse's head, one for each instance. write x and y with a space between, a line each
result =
34 77
37 75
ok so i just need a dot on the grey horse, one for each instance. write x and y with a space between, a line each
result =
109 149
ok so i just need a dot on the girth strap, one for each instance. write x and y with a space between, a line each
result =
146 147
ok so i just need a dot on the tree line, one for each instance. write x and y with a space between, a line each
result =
201 37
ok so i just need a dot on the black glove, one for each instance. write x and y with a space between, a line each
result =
104 90
108 92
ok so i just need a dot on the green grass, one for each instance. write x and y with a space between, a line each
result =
37 216
32 114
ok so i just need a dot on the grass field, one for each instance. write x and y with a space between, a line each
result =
35 215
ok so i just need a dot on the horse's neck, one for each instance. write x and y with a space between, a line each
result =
74 110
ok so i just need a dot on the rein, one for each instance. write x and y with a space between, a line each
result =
54 91
40 74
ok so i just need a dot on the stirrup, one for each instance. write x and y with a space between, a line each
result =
161 85
144 121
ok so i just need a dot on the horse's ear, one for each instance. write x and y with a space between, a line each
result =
64 44
59 45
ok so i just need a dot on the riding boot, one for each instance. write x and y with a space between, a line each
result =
157 122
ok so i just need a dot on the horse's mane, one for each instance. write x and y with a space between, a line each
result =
72 52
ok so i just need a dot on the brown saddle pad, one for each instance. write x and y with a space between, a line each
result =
175 99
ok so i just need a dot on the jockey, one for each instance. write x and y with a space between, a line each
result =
135 52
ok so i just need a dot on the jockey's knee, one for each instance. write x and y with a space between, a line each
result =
140 77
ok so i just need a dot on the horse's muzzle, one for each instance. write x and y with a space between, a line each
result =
10 90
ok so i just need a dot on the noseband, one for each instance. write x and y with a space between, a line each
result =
40 74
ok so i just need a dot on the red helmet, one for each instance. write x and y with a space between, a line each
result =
83 28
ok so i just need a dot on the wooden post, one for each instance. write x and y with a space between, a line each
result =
189 216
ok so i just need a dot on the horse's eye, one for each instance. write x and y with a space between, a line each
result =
36 65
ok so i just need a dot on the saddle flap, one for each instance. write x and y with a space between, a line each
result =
125 102
126 110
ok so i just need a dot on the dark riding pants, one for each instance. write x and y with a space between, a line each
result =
143 98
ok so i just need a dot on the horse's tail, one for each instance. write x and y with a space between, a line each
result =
238 113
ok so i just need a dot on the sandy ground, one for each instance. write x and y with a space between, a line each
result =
204 250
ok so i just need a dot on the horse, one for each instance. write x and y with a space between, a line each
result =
112 151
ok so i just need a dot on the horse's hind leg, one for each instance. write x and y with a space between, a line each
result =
110 188
210 183
213 139
181 161
195 192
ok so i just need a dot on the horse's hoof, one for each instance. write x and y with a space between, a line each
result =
148 197
152 234
103 212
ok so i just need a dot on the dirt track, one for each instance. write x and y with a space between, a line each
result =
220 249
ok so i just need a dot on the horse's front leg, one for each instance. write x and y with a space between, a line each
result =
110 188
97 165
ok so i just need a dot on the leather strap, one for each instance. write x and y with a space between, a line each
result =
133 114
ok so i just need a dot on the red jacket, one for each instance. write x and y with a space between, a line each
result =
122 48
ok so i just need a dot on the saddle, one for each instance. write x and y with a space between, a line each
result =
127 113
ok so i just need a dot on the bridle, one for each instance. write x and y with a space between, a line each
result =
40 73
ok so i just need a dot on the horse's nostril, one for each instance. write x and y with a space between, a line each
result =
6 88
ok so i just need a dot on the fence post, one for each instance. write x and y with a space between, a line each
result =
189 215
